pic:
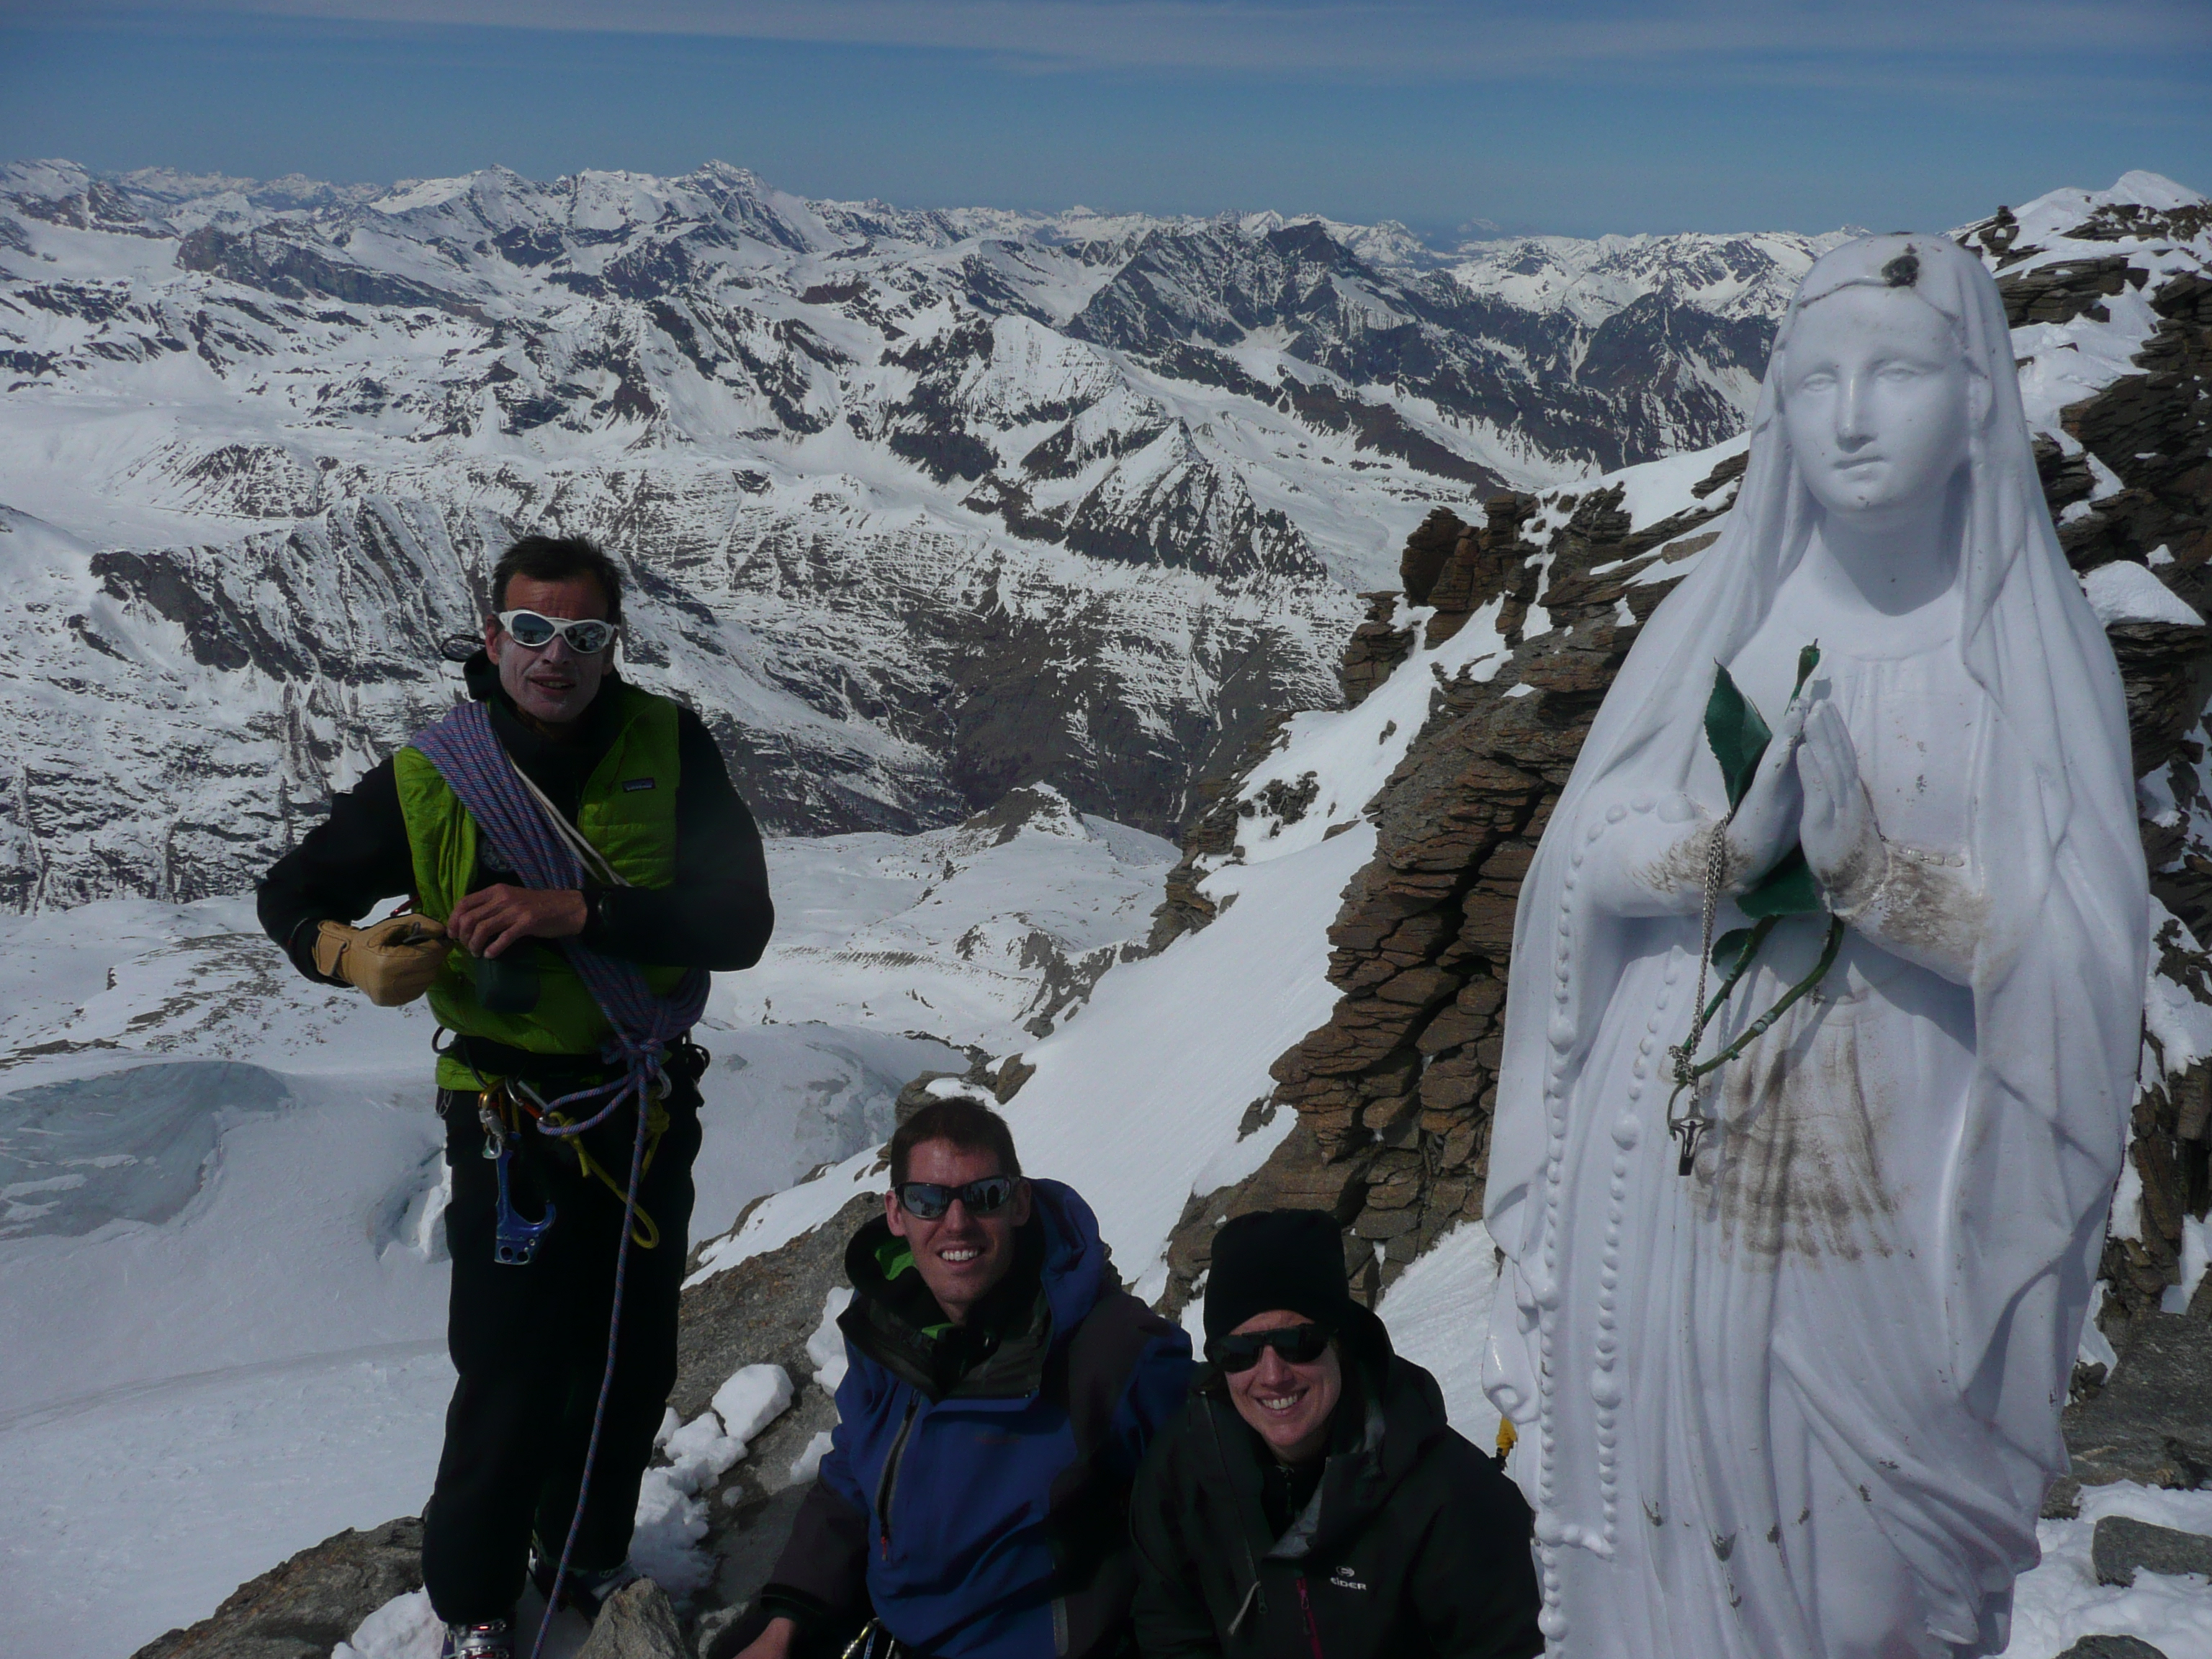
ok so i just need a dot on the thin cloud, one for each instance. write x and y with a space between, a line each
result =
1425 40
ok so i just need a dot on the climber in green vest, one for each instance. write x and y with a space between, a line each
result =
674 882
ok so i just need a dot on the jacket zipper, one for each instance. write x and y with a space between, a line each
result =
889 1485
1312 1630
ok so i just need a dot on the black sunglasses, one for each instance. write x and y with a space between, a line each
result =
1299 1344
928 1201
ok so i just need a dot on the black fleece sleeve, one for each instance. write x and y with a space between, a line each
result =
820 1581
1170 1616
1473 1583
716 914
340 871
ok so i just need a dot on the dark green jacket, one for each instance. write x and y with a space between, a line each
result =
1413 1545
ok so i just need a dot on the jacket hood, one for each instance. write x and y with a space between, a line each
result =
894 1321
1074 1256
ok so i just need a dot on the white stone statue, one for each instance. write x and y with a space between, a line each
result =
1800 1400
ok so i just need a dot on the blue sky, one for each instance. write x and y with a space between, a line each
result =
1579 115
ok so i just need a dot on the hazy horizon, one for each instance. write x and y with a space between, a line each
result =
1609 116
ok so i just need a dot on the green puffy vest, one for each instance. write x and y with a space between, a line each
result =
628 812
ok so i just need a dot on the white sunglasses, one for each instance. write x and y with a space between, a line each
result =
530 630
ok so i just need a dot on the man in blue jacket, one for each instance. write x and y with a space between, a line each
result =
1001 1392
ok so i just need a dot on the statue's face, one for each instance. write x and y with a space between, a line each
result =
1876 398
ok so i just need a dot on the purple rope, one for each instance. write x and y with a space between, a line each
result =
468 755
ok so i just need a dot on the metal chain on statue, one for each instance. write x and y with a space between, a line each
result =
1687 1128
1739 738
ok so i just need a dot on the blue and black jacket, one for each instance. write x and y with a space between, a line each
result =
975 1498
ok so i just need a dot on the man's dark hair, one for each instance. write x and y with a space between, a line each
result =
967 1124
552 559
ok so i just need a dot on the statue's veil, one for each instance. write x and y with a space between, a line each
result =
2057 978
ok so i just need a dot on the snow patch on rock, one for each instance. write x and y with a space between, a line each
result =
2124 591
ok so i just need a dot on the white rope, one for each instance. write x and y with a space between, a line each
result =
593 860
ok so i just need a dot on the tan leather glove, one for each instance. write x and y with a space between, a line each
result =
393 960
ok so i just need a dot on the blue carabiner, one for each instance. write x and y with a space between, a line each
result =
514 1241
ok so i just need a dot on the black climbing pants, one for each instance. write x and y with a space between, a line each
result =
529 1344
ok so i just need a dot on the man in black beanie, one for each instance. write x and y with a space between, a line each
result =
1311 1499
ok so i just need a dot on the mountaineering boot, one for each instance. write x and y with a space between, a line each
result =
583 1588
494 1640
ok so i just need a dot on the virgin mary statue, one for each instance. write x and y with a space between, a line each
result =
1788 1342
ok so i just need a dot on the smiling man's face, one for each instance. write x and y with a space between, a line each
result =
960 1256
1287 1406
553 685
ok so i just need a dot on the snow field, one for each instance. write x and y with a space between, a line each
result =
138 1507
941 931
2124 591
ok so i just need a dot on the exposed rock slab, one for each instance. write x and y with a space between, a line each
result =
763 1311
2121 1547
636 1623
301 1609
2152 1420
2112 1647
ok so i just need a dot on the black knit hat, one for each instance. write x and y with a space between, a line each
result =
1291 1260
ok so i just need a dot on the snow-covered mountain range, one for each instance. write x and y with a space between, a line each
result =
922 505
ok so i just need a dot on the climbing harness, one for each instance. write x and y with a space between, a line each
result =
1739 738
547 853
502 1109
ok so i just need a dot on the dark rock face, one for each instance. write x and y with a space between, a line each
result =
2152 1421
2112 1647
283 265
2120 1548
301 1609
1606 393
763 1311
2058 292
1377 646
